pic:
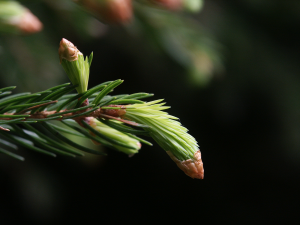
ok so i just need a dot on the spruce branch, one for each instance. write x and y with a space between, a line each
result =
111 120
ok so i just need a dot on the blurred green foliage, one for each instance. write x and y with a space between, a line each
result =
28 58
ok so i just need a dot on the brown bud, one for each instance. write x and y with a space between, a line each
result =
110 11
29 23
3 128
67 50
169 4
191 167
115 112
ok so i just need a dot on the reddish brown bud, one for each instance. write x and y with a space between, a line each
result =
191 167
114 112
3 128
169 4
67 51
110 11
29 23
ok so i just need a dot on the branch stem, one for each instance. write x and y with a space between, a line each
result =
115 113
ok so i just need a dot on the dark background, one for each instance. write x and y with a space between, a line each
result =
246 120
